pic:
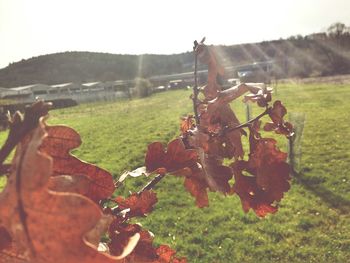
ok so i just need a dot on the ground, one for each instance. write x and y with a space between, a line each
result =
312 224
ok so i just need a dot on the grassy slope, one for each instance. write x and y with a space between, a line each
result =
312 224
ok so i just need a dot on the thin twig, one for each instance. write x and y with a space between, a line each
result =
152 183
195 87
149 186
246 124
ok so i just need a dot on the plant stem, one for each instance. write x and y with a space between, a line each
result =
246 124
151 184
195 89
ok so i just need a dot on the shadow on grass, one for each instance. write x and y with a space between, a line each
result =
332 199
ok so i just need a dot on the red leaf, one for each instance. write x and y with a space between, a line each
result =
187 123
277 112
251 195
198 189
139 204
180 260
262 97
58 144
269 126
144 251
206 55
273 178
214 173
79 184
266 152
181 162
165 253
225 118
285 128
268 181
46 226
272 171
197 139
175 158
122 236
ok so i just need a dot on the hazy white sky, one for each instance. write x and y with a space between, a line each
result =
35 27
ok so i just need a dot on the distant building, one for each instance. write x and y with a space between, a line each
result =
26 93
93 86
4 92
256 72
66 88
86 92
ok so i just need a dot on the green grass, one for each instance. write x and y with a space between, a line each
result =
312 224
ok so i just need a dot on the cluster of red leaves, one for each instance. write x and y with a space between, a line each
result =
199 154
122 234
51 209
268 175
278 125
178 160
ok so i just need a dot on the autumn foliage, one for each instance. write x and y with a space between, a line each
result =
58 208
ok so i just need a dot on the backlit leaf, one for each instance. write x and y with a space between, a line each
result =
175 158
46 226
58 144
139 204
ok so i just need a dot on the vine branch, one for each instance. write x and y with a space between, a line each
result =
246 124
152 183
149 186
195 87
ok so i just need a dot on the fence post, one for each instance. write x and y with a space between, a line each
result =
295 142
248 111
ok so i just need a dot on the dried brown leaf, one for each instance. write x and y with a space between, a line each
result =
58 144
139 204
45 226
175 158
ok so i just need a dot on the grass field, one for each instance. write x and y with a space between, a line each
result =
313 222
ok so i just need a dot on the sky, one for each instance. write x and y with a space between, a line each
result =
30 28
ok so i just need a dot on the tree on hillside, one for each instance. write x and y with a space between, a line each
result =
338 29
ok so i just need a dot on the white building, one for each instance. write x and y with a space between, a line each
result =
65 88
26 93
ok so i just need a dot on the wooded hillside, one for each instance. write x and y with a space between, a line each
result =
313 55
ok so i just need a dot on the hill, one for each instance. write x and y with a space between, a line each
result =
88 66
313 55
